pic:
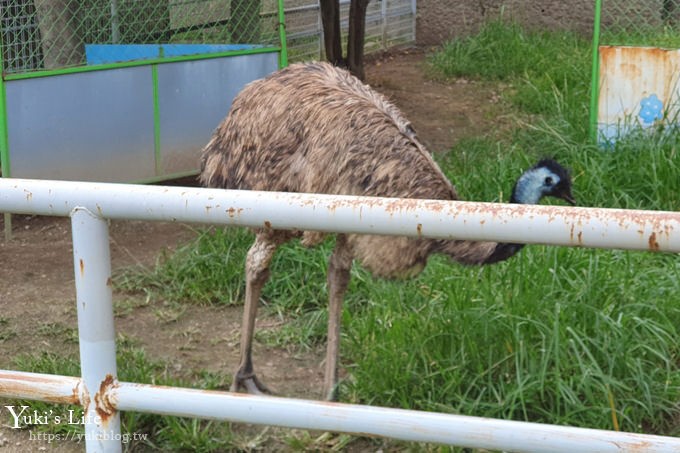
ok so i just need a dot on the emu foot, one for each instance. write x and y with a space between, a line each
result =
330 393
250 383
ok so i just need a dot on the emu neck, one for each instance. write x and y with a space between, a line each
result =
477 252
527 189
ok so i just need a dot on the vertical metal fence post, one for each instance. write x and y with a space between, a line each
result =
283 39
383 24
4 141
414 11
595 72
92 265
319 27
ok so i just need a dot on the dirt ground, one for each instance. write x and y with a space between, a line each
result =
37 294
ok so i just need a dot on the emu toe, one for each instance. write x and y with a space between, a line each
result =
250 383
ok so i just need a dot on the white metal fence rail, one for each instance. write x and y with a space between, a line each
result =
90 204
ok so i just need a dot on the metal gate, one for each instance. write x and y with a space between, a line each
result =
102 396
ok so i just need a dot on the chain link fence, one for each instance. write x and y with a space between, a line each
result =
640 23
388 23
54 34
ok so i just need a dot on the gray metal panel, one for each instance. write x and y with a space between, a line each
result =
194 96
94 126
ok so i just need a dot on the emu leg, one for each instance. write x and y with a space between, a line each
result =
257 272
339 267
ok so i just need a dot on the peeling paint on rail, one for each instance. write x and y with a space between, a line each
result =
441 219
653 244
103 404
42 387
474 432
89 204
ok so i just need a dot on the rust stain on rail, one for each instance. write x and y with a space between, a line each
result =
576 221
105 408
233 212
653 243
38 388
81 390
640 446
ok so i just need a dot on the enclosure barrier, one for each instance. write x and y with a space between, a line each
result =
631 23
90 205
77 72
388 23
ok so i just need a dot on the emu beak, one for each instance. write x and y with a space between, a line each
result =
567 196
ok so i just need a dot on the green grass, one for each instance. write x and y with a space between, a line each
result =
545 70
570 336
492 342
207 270
665 37
162 433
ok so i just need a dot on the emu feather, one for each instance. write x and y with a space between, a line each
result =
316 128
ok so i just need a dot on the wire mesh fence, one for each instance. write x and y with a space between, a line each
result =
53 34
641 23
388 23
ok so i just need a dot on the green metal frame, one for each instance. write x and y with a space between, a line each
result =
282 49
283 56
4 145
156 120
147 62
4 148
595 77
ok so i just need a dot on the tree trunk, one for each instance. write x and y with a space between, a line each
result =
61 44
330 19
245 21
355 37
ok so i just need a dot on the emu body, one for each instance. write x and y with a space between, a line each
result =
315 128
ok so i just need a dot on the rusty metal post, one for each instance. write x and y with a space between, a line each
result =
92 264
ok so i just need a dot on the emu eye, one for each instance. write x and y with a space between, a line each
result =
548 181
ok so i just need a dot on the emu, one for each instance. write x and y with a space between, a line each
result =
315 128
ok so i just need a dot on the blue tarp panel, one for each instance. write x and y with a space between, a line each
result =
115 53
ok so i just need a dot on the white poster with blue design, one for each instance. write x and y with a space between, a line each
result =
638 90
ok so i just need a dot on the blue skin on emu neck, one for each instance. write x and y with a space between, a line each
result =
531 187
